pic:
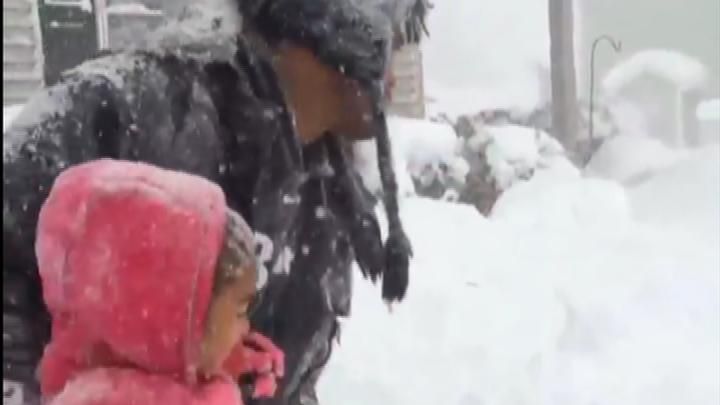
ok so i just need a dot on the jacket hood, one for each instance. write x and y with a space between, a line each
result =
127 253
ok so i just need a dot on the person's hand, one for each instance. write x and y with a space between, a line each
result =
259 362
267 363
272 355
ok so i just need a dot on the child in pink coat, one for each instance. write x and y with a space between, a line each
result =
149 278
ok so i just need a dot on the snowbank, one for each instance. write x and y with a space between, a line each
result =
575 291
675 67
515 153
552 201
503 311
9 114
630 158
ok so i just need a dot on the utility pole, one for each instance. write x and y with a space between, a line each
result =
565 115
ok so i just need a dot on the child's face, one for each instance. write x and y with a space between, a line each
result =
227 321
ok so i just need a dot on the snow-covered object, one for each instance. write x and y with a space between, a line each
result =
675 67
709 110
9 115
422 150
516 153
626 158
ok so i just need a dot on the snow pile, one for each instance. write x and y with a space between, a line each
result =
627 158
502 311
422 150
9 115
565 201
675 67
515 153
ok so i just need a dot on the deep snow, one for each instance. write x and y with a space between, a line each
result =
575 292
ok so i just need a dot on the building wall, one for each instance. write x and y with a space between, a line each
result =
688 26
22 51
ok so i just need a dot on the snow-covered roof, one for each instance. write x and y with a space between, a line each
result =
682 70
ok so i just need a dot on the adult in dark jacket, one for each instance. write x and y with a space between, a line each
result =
256 107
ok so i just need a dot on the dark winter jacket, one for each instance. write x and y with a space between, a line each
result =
219 115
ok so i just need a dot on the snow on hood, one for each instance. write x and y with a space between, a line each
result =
127 251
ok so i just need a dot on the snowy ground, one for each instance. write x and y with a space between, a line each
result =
576 292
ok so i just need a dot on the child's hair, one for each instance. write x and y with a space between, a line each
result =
237 252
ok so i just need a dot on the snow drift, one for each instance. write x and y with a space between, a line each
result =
503 311
575 292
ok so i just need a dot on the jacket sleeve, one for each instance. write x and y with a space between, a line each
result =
61 126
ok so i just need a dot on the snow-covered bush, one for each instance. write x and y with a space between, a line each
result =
501 156
426 159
